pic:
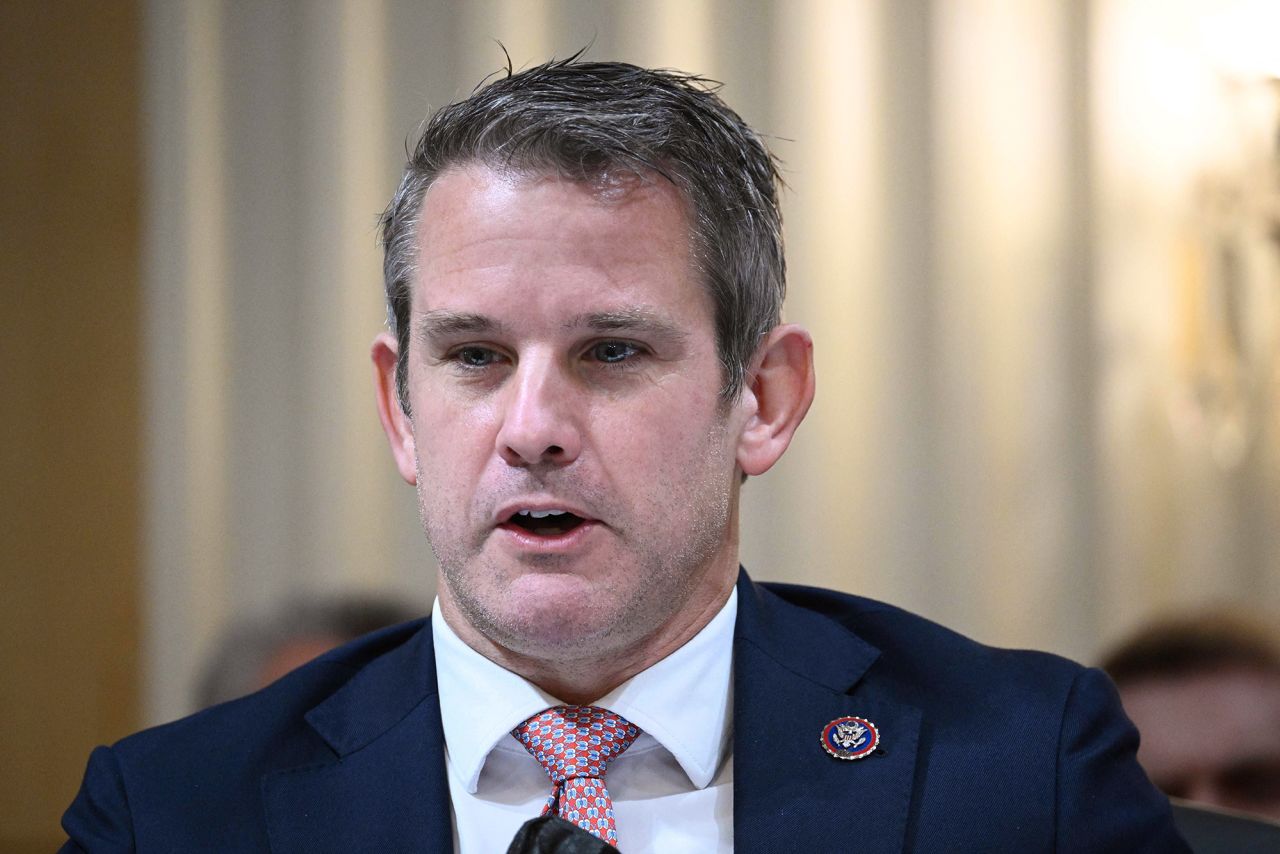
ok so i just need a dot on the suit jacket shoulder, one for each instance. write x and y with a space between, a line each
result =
208 781
982 749
930 664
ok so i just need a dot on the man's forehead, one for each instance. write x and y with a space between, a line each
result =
492 245
481 189
607 182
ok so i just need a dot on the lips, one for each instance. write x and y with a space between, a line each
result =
544 523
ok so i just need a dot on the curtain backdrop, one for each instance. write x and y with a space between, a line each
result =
1034 421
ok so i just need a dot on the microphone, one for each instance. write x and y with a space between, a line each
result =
550 834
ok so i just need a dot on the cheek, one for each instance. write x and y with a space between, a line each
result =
444 427
672 441
448 466
640 434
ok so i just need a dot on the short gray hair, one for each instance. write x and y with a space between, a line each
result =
587 121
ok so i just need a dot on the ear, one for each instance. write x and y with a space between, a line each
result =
778 394
395 423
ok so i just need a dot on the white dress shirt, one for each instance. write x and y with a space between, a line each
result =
672 790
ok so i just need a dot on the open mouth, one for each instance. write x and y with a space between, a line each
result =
545 523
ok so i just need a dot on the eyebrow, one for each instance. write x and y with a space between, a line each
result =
637 319
442 324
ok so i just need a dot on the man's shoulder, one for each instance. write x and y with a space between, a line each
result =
185 784
1031 748
241 734
928 660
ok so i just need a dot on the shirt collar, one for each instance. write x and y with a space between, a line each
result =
683 701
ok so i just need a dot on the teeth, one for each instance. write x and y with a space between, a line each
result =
541 514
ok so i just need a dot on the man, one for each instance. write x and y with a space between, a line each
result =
1220 669
585 278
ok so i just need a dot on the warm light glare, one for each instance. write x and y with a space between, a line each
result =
1241 38
1158 100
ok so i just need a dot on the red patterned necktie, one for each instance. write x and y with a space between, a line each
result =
574 745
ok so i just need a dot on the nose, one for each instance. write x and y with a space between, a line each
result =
540 422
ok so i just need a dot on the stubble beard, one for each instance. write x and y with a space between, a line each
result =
662 581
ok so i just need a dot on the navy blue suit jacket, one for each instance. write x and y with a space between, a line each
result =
982 749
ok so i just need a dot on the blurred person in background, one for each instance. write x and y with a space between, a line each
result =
257 650
1204 692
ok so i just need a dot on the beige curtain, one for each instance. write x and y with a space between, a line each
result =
989 232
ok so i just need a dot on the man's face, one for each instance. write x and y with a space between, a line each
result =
575 464
1212 737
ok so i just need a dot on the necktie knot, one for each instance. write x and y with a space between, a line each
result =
574 745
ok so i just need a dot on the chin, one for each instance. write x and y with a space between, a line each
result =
546 628
551 630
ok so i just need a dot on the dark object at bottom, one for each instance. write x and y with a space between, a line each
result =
1213 831
550 834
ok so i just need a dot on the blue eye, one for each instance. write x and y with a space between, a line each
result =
475 357
611 352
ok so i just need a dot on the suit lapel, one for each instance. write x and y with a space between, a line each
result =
795 671
383 787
